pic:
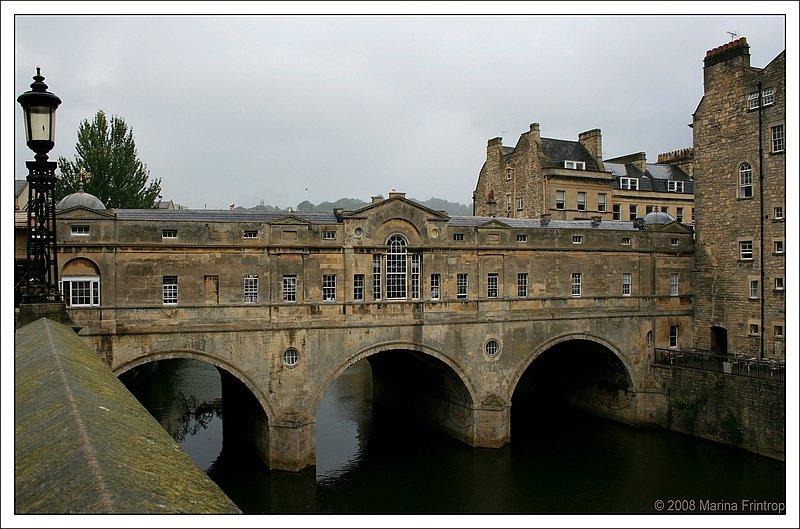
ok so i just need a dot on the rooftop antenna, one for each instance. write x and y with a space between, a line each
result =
734 34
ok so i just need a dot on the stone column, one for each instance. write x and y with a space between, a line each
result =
292 443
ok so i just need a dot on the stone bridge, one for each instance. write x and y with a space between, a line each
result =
456 365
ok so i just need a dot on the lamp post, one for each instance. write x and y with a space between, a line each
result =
39 281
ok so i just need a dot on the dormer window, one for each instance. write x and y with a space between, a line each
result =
629 183
571 164
675 187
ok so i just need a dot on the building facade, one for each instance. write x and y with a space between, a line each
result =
569 180
740 195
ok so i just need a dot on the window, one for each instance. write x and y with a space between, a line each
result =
509 173
458 236
673 336
674 241
745 180
754 289
679 215
291 357
601 202
649 209
508 203
626 241
777 138
415 258
617 209
522 285
376 276
561 200
778 247
577 239
778 331
522 237
461 286
79 229
777 213
435 282
169 290
626 284
358 287
329 287
673 284
745 250
290 288
81 291
675 187
754 329
581 201
169 234
329 235
633 211
396 267
492 348
571 164
492 286
250 234
576 285
778 283
520 203
665 209
251 288
629 183
752 100
768 96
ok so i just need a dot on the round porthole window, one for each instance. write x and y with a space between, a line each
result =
291 357
434 233
359 232
492 348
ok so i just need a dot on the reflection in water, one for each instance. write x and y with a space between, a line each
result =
368 461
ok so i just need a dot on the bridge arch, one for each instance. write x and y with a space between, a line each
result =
454 366
201 356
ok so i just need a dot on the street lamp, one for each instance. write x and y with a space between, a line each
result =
38 283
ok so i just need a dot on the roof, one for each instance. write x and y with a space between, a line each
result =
80 198
222 215
557 151
655 177
472 222
19 187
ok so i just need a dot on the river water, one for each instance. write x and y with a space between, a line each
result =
369 461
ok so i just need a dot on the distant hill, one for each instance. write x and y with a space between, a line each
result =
350 204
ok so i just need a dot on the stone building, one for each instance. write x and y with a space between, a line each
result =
569 180
740 196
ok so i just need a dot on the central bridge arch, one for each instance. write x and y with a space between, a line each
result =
417 380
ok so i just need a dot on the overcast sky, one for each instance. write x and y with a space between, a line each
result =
281 109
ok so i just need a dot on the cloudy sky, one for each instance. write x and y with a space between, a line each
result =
277 108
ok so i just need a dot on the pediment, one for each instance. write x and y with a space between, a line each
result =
83 213
493 224
289 220
397 207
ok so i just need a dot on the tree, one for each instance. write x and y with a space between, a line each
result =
108 166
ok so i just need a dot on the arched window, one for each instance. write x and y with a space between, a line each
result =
745 180
80 284
396 267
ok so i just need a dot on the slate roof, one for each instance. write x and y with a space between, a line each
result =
654 179
556 151
222 215
19 187
471 222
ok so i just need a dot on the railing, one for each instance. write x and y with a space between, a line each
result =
732 365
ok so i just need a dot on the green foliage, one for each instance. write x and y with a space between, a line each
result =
732 429
108 163
688 411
